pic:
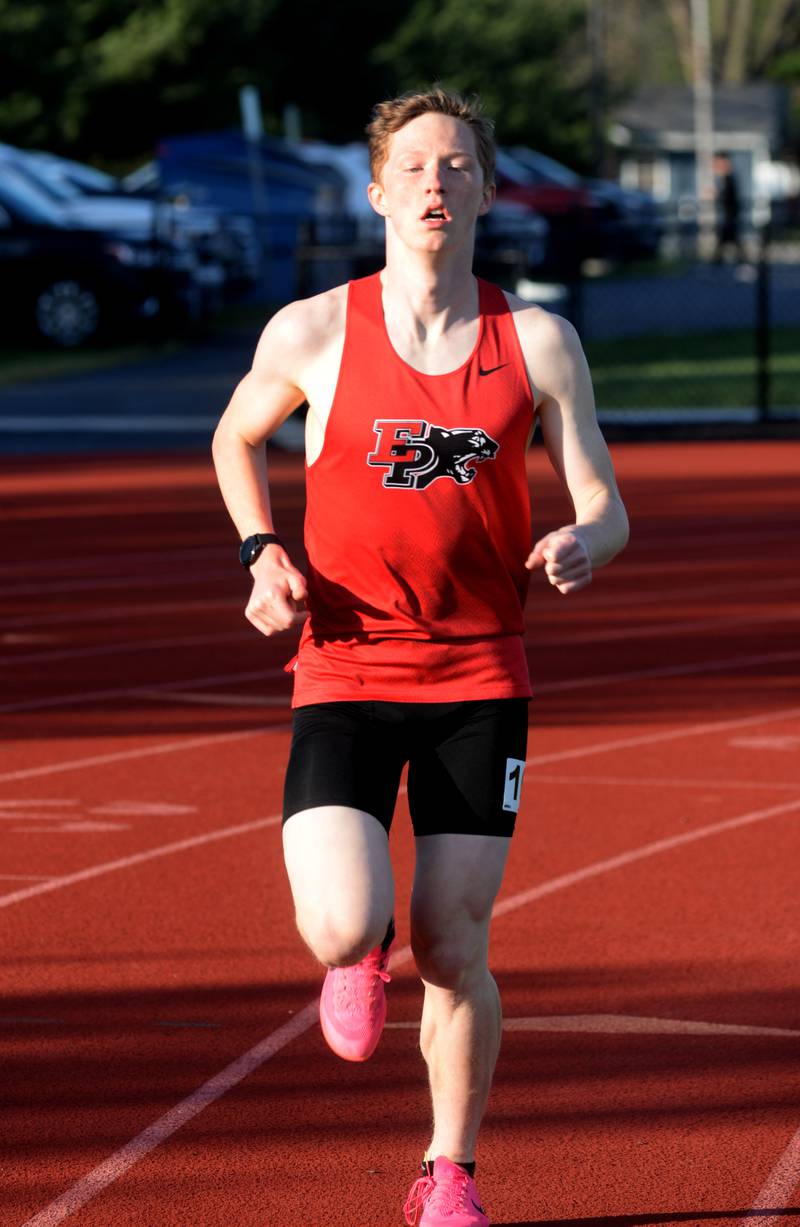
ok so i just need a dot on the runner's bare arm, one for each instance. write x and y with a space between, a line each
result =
565 399
262 401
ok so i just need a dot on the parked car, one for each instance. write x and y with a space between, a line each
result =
266 181
570 210
153 221
628 222
351 162
70 285
511 241
240 248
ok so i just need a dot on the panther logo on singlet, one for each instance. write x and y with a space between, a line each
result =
415 453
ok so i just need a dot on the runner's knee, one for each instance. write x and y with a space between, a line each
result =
341 941
451 960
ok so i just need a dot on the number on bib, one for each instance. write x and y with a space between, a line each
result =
515 769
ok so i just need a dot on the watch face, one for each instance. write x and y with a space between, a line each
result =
249 551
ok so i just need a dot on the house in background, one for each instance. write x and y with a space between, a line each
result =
652 136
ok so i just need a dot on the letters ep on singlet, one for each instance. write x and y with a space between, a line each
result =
415 453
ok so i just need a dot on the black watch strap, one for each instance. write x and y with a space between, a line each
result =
252 547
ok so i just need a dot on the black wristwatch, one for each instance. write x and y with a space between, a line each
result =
252 547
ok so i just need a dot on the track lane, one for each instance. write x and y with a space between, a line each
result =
613 1132
607 949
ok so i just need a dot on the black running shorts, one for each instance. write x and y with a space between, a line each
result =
465 762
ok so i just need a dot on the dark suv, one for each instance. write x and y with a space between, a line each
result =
71 286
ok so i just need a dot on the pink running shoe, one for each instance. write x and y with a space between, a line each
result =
352 1008
448 1198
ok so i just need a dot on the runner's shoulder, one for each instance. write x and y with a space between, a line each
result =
539 329
550 346
305 328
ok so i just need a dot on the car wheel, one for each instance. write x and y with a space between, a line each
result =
67 313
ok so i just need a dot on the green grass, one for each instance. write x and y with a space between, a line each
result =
24 365
698 370
27 365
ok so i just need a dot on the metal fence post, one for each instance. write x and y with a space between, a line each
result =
763 326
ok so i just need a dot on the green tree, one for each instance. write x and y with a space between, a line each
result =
105 79
748 36
527 60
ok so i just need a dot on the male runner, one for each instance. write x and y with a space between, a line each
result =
423 387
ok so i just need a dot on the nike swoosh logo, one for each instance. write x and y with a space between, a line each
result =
481 371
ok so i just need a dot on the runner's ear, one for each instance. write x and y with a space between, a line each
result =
377 198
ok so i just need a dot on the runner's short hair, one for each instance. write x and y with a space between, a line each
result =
390 116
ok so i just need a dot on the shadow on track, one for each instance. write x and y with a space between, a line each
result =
641 1220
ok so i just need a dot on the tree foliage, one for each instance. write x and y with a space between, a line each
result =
104 79
527 61
748 36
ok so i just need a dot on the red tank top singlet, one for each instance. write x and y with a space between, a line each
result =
418 520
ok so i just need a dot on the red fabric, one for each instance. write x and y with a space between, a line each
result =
416 570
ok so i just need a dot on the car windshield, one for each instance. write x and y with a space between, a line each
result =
546 169
54 187
514 170
22 195
72 177
48 183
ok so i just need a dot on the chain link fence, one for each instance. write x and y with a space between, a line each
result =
673 341
691 341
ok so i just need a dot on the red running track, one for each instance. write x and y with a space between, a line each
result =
161 1061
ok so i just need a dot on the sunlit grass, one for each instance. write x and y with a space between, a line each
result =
697 370
25 365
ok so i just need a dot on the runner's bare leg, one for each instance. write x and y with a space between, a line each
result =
337 859
456 881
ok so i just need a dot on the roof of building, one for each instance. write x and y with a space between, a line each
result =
760 108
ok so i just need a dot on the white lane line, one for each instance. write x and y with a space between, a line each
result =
121 756
25 1021
138 609
666 781
628 858
779 742
128 611
779 1191
27 877
676 552
14 815
215 699
630 1024
137 858
116 1165
577 683
29 803
673 734
658 630
669 629
95 1181
177 1022
685 595
601 747
687 670
193 743
72 828
622 1024
145 579
128 692
128 645
106 563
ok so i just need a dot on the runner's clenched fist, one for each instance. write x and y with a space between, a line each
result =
565 559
